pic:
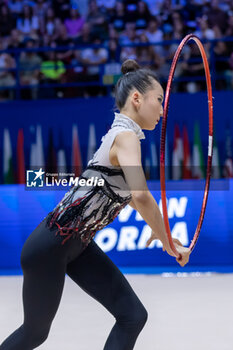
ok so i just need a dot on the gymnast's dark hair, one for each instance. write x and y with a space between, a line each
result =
135 77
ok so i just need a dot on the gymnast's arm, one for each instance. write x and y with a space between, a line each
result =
128 152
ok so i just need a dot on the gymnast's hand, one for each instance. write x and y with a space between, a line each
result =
168 249
185 252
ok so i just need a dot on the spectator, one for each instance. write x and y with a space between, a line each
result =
168 55
165 10
29 68
221 60
108 4
94 57
85 37
64 40
146 55
193 9
16 8
40 10
216 16
52 69
193 67
113 50
113 44
6 21
51 24
229 72
7 79
129 36
131 10
118 17
28 24
178 24
154 6
75 73
82 6
154 34
74 24
112 33
106 7
204 31
97 20
15 40
45 41
61 9
178 36
143 16
176 5
229 31
128 22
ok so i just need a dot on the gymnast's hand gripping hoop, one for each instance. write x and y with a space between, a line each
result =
163 138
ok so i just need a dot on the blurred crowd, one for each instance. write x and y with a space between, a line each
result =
119 30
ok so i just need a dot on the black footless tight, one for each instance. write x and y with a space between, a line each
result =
45 262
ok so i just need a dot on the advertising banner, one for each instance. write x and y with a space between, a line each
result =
124 240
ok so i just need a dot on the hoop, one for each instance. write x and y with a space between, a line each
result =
163 137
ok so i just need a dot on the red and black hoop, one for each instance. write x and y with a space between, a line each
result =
163 138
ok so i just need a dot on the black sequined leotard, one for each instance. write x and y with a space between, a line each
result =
85 210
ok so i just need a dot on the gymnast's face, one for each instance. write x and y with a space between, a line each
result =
150 108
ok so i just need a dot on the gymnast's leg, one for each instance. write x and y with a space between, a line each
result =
97 275
44 273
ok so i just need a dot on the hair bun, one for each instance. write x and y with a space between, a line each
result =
129 66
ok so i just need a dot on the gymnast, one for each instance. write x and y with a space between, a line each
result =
63 242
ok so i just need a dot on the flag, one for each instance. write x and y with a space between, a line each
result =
39 147
177 155
37 153
76 153
51 166
198 158
33 156
61 157
228 164
8 172
91 142
215 162
20 158
154 161
187 172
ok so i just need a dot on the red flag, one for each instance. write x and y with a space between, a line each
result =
20 158
76 153
187 172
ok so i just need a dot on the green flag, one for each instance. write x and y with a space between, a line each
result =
198 158
8 172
